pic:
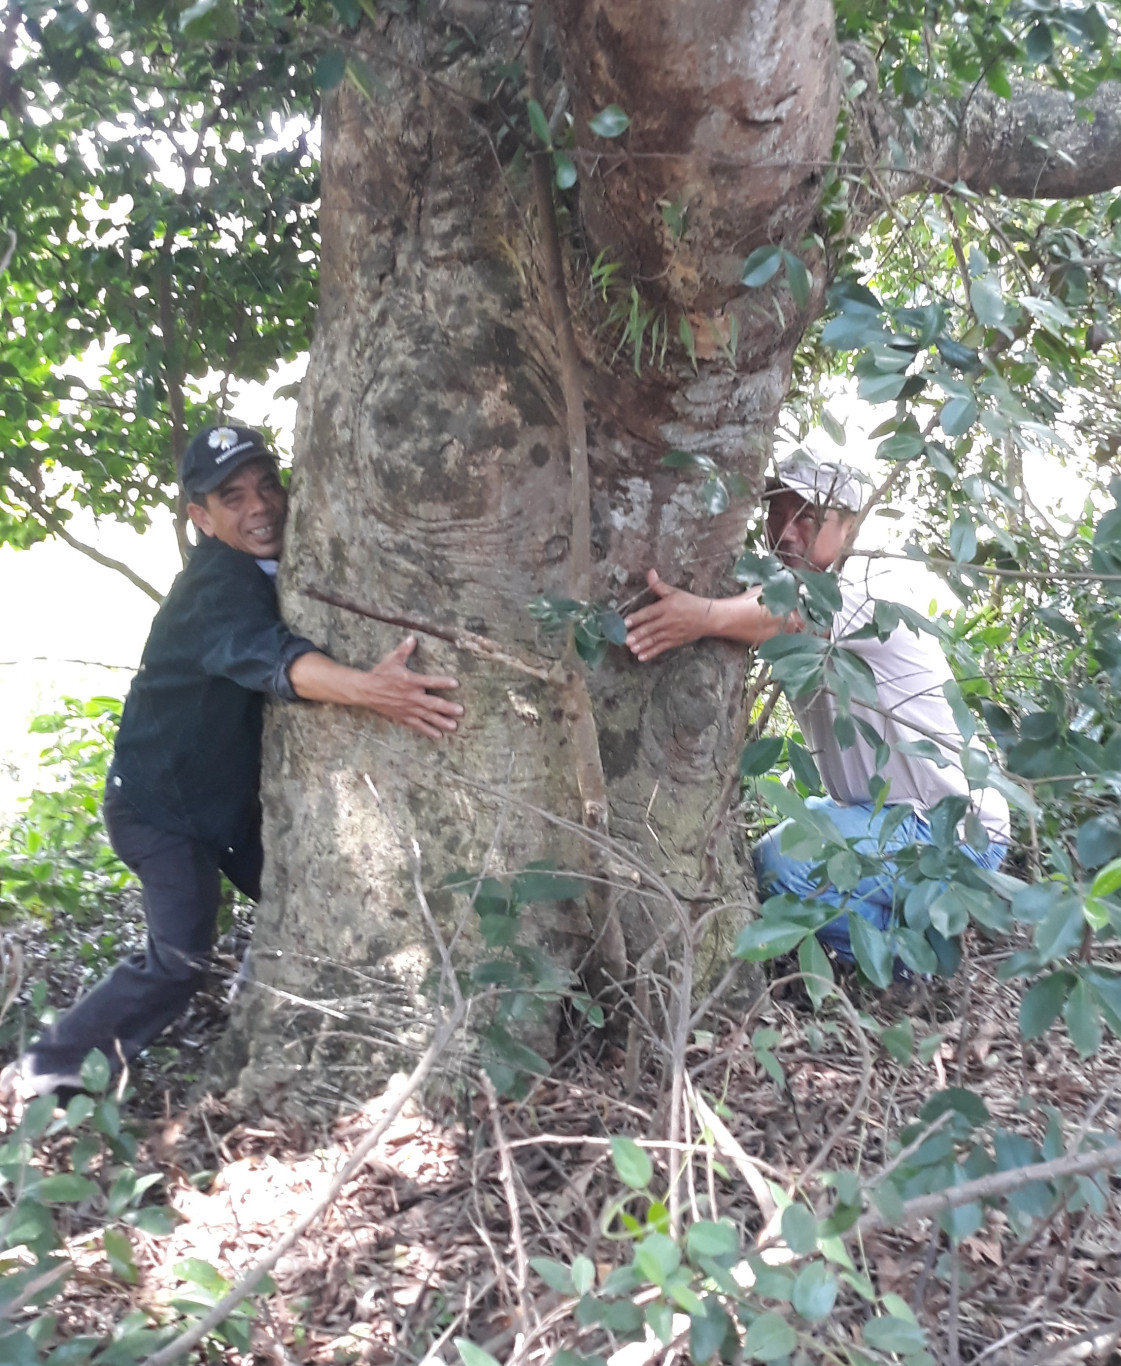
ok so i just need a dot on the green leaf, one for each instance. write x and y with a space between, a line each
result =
834 430
79 1109
65 1188
632 1164
1083 1020
891 1334
760 756
958 1099
799 1229
157 1220
556 1275
769 1337
583 1274
814 962
899 1040
708 1331
366 80
539 123
764 939
958 415
815 1292
95 1071
984 295
564 169
1039 45
713 495
889 1202
963 538
195 1271
545 884
688 341
798 278
706 1238
659 1315
73 1352
472 1355
205 19
872 950
762 265
687 460
1061 930
330 70
1042 1003
996 78
118 1249
956 355
803 766
609 122
1107 880
657 1257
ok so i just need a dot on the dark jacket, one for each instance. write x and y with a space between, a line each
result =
188 750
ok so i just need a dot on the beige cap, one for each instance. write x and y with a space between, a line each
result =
824 482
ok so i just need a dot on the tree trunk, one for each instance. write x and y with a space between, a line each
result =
432 485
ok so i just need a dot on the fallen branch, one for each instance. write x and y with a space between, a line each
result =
997 1183
724 1142
1092 1341
510 1189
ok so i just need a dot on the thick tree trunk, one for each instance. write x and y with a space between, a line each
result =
433 475
432 484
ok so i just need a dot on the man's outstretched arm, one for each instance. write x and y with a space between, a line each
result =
390 688
679 618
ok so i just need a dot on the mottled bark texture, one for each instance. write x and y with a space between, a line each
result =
432 481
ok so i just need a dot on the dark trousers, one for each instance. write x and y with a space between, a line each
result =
180 880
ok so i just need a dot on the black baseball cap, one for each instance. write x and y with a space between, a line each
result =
215 453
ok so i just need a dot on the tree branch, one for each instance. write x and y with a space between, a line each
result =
470 642
57 527
996 1183
1031 146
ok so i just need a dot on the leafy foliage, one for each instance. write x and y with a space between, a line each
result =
524 977
766 1303
57 863
172 233
105 1195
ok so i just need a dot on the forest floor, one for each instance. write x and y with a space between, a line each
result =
429 1242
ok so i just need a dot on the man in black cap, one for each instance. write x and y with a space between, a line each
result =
181 802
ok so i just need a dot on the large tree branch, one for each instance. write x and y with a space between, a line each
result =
1036 145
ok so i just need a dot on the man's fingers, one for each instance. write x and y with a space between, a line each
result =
643 615
404 650
434 681
423 728
440 706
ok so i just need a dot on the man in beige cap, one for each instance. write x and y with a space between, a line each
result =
812 511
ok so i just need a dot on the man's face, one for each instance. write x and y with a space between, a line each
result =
247 511
804 536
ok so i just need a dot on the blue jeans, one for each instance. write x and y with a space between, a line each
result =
875 898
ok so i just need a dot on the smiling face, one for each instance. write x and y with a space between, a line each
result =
247 511
804 536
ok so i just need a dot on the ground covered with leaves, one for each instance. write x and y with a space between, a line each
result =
501 1222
